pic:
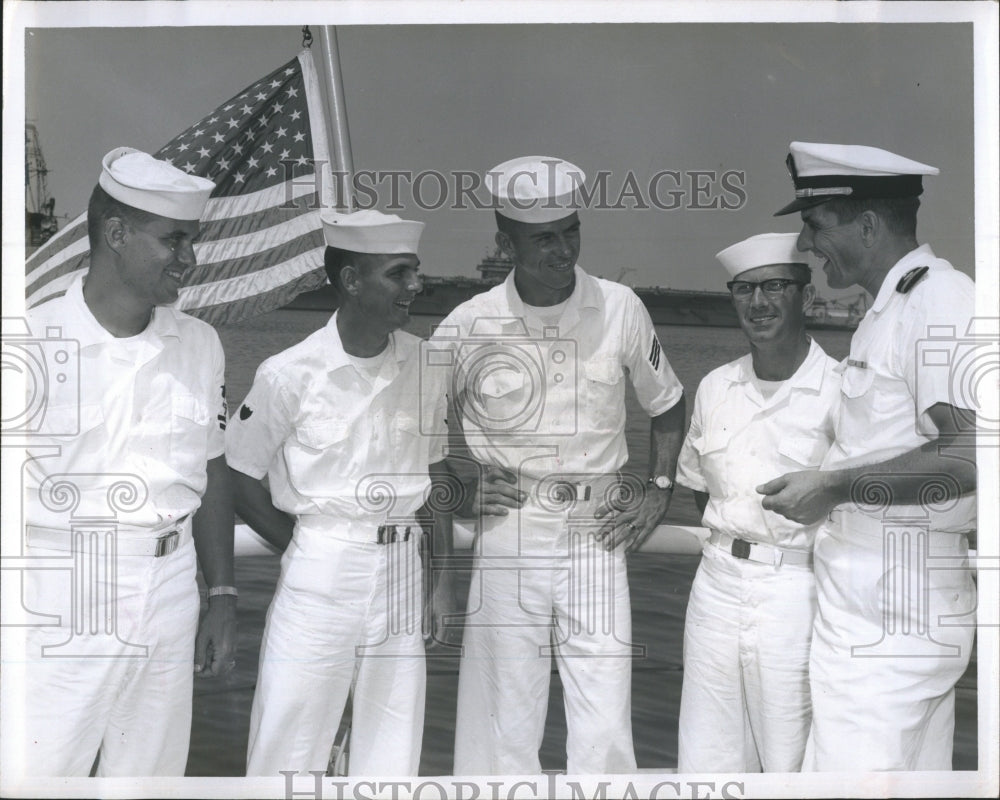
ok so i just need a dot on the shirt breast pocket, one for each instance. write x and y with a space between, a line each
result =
802 452
603 391
67 422
323 435
190 420
504 401
862 387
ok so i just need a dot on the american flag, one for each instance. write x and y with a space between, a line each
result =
261 241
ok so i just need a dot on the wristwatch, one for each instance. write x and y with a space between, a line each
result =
661 482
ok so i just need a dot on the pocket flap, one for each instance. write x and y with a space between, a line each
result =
501 382
603 370
189 407
322 434
803 450
856 381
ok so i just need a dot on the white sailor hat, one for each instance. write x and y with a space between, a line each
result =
762 250
371 231
822 172
141 181
535 188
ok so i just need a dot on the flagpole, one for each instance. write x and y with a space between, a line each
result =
340 137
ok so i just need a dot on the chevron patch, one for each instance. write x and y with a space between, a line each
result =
654 353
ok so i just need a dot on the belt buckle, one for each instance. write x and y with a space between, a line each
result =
167 543
740 549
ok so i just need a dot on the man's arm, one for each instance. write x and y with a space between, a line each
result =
633 526
925 473
212 528
256 509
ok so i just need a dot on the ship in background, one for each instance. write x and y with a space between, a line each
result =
665 306
40 222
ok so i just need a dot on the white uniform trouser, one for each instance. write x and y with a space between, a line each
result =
122 688
542 586
343 612
745 697
885 655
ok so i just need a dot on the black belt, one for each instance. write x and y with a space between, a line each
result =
390 534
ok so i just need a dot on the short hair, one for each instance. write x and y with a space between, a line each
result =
898 213
506 224
334 261
802 272
102 207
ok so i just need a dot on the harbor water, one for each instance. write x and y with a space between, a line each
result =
659 586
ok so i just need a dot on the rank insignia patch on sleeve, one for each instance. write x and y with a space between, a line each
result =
654 353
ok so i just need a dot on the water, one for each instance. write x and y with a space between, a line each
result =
659 585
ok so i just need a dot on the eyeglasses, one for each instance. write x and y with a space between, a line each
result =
773 287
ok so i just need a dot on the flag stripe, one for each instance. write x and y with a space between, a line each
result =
221 208
74 231
229 227
246 256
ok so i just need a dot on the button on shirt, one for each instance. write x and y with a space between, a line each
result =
739 439
337 442
909 352
147 411
547 399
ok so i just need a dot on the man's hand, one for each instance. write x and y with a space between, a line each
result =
633 526
215 645
803 497
496 491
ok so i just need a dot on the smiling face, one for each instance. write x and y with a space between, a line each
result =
155 253
774 319
544 256
383 287
838 245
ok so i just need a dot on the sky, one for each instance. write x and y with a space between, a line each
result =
704 104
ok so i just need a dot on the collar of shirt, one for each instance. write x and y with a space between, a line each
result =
915 258
586 295
337 358
89 332
808 377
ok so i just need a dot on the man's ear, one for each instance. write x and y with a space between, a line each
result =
504 243
349 276
871 227
116 233
808 296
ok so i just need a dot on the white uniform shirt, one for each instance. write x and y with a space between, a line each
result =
335 443
550 399
909 352
739 439
150 406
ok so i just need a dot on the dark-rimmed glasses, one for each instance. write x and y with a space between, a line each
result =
772 287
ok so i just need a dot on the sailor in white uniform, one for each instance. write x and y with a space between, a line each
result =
896 493
538 368
345 430
130 486
745 697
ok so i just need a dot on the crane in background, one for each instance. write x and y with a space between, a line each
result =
40 222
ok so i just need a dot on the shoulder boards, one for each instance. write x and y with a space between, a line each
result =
911 279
